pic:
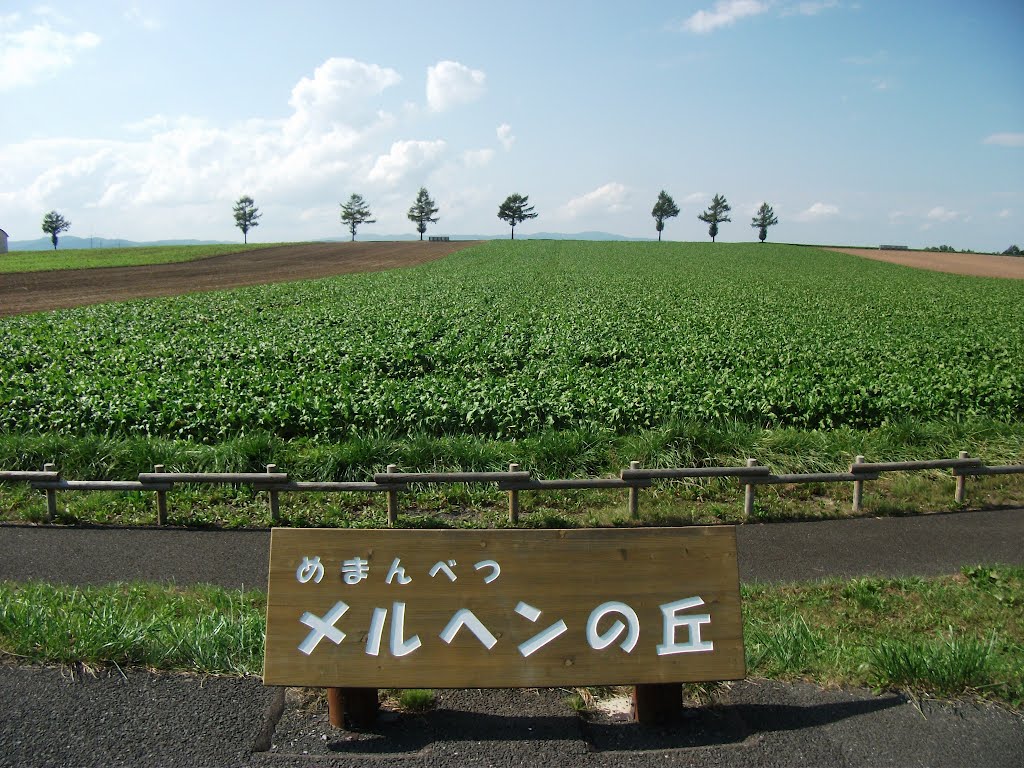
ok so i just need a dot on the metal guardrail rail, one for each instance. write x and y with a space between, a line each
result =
513 482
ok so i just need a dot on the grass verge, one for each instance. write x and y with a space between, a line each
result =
952 636
576 453
89 258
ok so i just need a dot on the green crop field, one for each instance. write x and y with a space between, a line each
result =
510 339
87 258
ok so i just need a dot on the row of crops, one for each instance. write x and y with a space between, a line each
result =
514 338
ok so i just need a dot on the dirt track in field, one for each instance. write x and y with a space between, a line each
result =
24 292
976 264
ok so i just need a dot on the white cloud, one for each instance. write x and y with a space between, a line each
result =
404 157
35 53
1006 139
139 17
940 214
809 8
341 91
505 136
477 158
450 83
696 197
724 13
609 198
817 211
882 85
1005 213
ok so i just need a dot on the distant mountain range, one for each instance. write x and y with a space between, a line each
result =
71 241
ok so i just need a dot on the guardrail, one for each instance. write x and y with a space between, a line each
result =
513 482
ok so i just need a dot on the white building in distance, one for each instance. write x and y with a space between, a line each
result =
3 241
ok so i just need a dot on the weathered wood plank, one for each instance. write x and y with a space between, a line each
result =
519 585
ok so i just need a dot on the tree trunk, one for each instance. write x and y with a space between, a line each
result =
513 233
421 237
659 235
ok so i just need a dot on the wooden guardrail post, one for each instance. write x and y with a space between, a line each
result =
961 482
634 495
392 500
513 499
51 495
748 493
275 502
858 488
161 500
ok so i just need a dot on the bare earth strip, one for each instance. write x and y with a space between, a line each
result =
976 264
24 292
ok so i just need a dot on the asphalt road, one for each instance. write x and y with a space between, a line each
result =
78 717
925 545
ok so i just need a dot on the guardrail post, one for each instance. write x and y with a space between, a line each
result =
961 482
634 496
275 503
161 500
51 496
513 500
858 488
748 493
392 501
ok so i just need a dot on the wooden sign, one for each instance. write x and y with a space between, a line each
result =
502 608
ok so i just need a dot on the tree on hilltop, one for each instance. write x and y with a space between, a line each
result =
765 218
246 215
53 225
515 211
355 212
422 211
715 215
664 208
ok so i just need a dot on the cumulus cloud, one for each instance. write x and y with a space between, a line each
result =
450 83
817 211
505 136
1006 139
341 90
1005 213
477 158
30 54
696 197
609 198
404 157
724 13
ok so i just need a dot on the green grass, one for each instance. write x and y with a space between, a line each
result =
515 339
950 636
578 453
88 258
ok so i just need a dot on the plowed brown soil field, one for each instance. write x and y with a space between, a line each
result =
24 292
976 264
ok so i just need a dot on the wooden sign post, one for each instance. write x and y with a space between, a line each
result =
367 609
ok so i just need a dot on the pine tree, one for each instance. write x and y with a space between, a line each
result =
765 218
355 212
715 215
422 212
515 211
664 208
246 216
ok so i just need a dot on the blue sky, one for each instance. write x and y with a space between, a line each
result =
860 122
